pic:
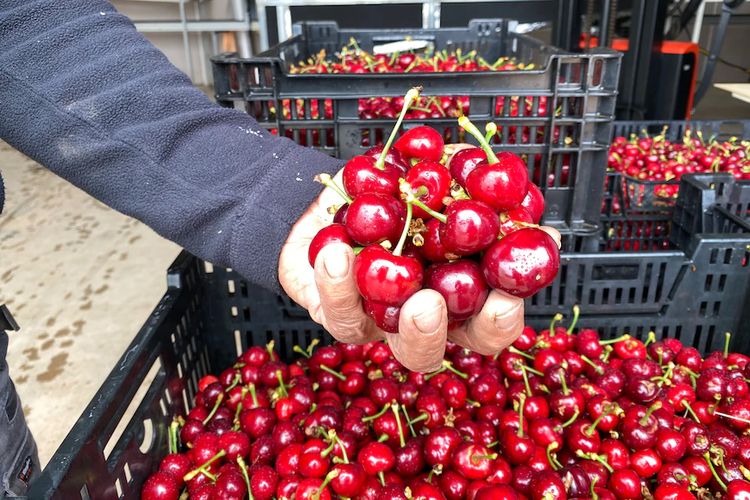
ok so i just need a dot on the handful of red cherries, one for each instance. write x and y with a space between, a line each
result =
459 225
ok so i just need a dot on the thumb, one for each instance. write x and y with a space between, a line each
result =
423 326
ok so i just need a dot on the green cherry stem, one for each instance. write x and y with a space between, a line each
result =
409 99
243 470
333 372
721 483
173 436
576 313
214 409
466 124
411 198
727 341
328 182
408 421
378 414
405 232
396 414
489 131
557 317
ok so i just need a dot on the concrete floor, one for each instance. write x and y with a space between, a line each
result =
80 279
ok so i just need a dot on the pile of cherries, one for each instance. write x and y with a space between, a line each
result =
656 160
459 228
557 415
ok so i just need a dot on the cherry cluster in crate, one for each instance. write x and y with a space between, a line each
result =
557 415
658 159
454 228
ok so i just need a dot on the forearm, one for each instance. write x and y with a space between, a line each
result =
87 96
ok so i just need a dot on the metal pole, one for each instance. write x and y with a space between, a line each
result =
604 23
698 25
186 39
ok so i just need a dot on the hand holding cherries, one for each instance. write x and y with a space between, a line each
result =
459 229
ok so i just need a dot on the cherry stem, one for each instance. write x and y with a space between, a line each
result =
411 198
333 372
651 409
572 419
594 496
328 450
190 475
449 366
597 369
405 231
173 436
731 417
614 341
235 381
650 339
410 97
326 481
311 347
489 131
690 410
466 124
214 409
301 351
532 370
576 314
328 182
596 458
563 383
269 348
396 414
253 396
422 417
553 462
236 418
707 457
408 421
521 353
282 386
590 429
727 340
378 414
521 406
525 380
557 317
243 469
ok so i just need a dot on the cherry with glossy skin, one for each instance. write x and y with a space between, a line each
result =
362 175
335 233
469 227
263 482
386 278
502 185
177 465
533 202
433 178
374 218
350 479
738 489
464 162
161 486
422 142
392 156
547 484
496 492
513 220
433 248
625 484
375 457
386 317
462 286
522 263
472 461
439 446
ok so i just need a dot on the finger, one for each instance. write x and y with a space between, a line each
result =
420 343
496 326
554 233
340 303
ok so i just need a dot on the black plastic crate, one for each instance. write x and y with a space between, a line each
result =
562 141
208 315
636 196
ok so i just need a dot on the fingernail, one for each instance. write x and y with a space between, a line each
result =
428 321
336 266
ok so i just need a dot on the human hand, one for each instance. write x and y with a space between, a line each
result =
330 295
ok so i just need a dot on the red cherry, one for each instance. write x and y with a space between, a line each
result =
533 202
522 263
433 248
376 457
386 278
386 317
501 185
161 486
423 142
361 175
462 286
392 156
513 220
374 218
335 233
625 484
464 162
470 227
433 177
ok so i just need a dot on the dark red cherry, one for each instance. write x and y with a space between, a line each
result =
470 227
464 162
462 286
502 185
393 157
386 278
374 218
361 175
335 233
433 248
423 142
385 316
533 202
435 179
522 263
